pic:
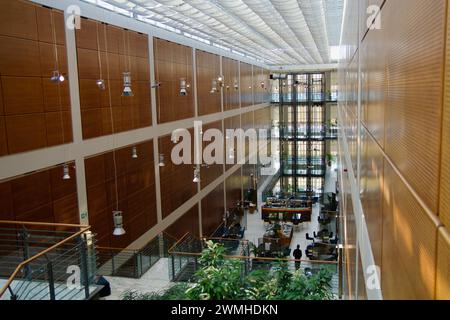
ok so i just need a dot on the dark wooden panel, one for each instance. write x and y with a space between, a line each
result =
246 85
31 191
176 180
135 190
212 210
3 139
172 63
214 171
18 19
19 57
22 95
88 67
231 123
6 204
47 57
230 69
26 132
208 69
56 96
233 185
50 24
187 223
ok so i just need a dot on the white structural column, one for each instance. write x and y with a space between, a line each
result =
77 128
154 92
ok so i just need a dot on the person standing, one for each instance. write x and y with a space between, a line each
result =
297 255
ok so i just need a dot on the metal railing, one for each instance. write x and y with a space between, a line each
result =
133 263
38 261
185 256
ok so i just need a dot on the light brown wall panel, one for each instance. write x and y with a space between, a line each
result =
208 69
413 116
212 210
409 243
230 69
443 265
375 78
106 52
29 36
173 62
444 195
372 166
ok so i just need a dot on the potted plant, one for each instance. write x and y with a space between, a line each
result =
330 159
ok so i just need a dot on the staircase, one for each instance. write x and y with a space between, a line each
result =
41 261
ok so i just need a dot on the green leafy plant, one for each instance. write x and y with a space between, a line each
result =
222 278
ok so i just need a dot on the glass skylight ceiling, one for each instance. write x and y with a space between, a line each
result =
275 32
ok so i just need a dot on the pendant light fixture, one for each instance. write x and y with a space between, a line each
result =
127 92
117 213
214 86
118 223
220 80
57 77
66 172
183 85
161 162
236 84
134 154
196 175
100 82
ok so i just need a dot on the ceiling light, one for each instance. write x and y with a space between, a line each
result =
161 160
118 223
134 154
127 92
220 80
66 172
236 84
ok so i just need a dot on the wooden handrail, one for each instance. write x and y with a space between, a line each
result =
117 249
260 258
40 254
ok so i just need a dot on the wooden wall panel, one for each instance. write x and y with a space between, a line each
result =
413 119
443 265
233 186
34 111
40 197
186 223
230 69
409 243
136 194
175 180
444 196
349 260
372 166
214 171
172 63
106 52
212 210
208 69
376 83
246 85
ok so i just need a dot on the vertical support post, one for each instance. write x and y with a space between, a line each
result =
84 266
51 281
26 249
